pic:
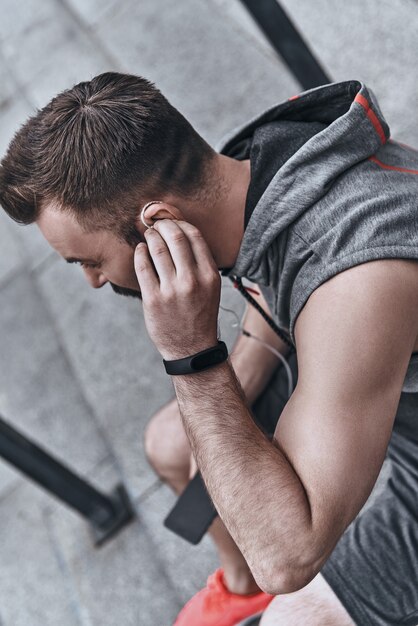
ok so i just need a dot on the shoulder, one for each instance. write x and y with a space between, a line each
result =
368 312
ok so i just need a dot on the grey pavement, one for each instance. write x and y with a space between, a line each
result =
78 373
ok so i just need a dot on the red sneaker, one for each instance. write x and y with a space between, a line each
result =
215 605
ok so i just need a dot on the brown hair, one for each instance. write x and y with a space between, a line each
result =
99 149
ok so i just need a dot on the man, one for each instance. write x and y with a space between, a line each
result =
312 202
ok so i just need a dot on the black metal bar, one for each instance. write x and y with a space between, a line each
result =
106 513
288 42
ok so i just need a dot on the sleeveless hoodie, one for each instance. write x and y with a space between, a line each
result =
329 190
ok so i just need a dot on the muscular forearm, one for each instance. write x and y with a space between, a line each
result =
256 491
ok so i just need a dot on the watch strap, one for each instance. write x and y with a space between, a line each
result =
198 362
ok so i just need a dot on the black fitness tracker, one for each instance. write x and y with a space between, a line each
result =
198 362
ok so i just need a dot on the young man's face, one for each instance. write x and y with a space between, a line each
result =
103 256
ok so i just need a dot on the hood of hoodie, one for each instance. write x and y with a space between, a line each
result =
354 129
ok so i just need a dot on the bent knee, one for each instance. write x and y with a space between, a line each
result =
316 605
165 442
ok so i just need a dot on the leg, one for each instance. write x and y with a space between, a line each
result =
316 605
168 451
167 447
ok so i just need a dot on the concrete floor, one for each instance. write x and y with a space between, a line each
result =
78 373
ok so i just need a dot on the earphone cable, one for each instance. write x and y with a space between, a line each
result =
239 324
236 280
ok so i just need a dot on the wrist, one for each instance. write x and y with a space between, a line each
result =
188 349
253 373
198 362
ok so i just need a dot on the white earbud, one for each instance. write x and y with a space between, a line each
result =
145 208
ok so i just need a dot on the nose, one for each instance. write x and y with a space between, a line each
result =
95 278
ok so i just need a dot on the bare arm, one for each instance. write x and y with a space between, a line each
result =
287 504
253 364
256 492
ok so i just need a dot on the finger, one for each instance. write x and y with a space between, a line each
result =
160 255
201 251
179 246
145 272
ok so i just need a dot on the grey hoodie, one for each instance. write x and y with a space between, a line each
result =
347 195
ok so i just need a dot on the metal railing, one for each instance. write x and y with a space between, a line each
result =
106 513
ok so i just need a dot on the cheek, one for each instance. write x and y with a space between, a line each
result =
122 272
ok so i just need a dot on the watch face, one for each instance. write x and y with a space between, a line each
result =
205 360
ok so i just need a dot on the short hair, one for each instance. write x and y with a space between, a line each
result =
98 149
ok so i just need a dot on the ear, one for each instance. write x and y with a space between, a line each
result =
158 210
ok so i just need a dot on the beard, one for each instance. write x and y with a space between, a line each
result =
123 291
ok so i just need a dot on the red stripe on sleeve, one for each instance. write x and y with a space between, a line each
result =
392 167
371 115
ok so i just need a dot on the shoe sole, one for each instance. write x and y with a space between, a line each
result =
250 621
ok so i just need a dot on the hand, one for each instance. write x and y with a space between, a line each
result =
181 287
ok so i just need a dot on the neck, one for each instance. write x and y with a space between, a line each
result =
221 219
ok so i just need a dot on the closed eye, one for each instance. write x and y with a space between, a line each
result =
89 265
84 264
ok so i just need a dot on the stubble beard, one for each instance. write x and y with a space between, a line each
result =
123 291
